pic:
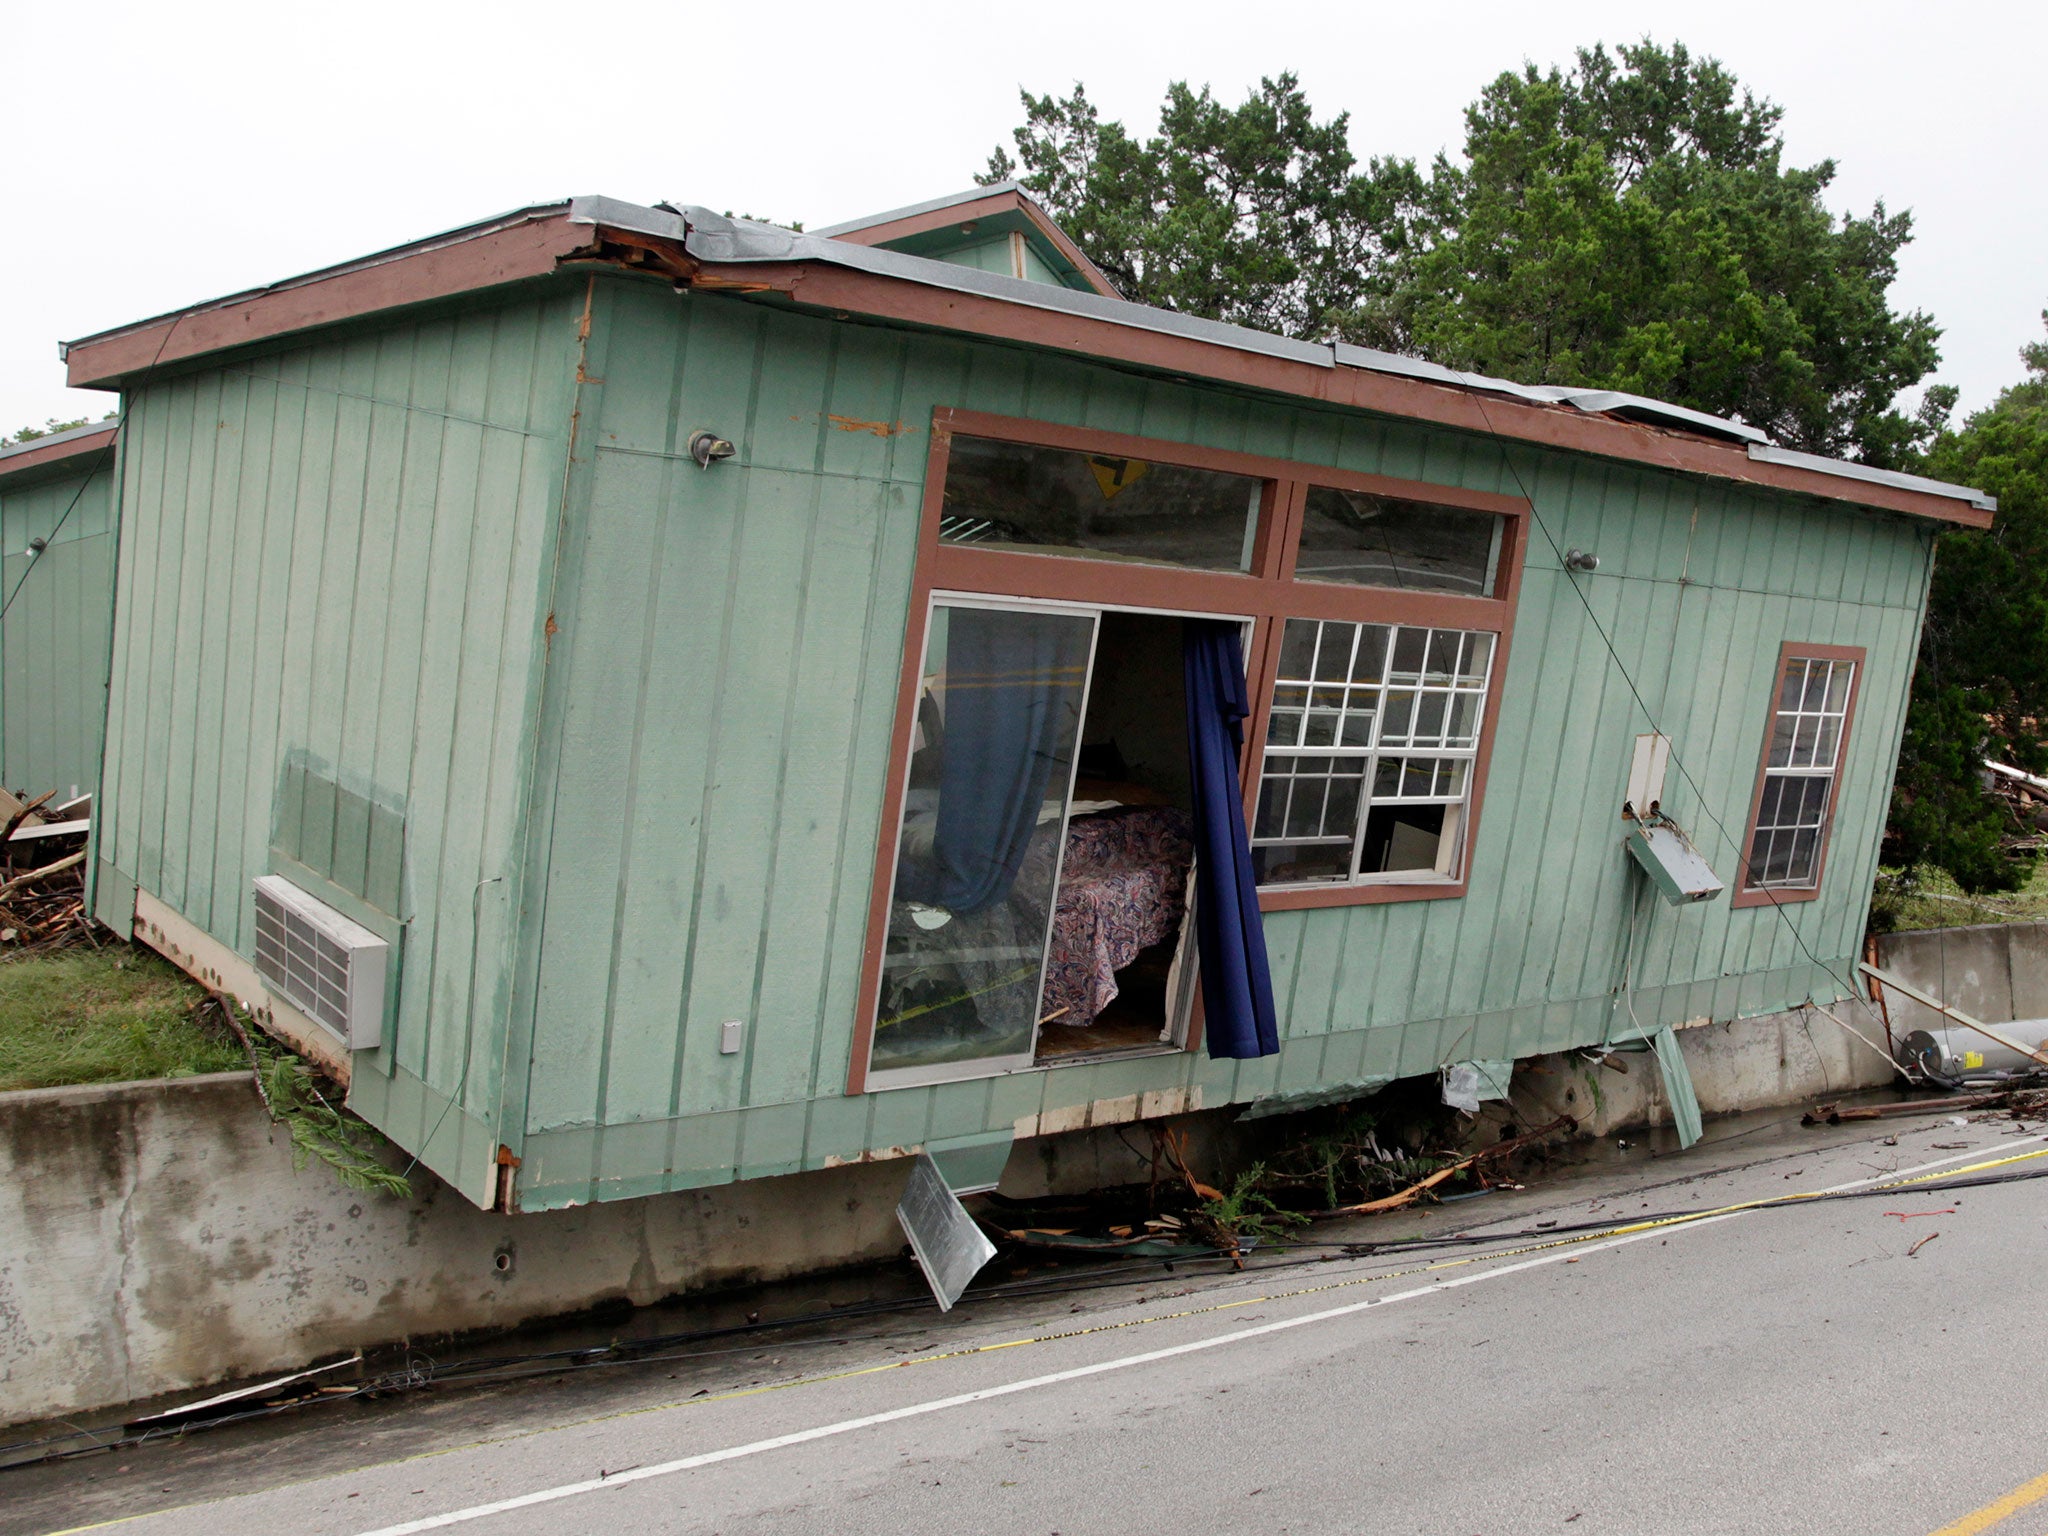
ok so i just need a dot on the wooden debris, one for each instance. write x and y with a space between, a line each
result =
42 898
20 814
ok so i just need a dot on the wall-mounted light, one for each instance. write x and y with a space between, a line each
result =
1583 560
708 447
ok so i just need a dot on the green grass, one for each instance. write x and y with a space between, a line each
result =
111 1015
1930 899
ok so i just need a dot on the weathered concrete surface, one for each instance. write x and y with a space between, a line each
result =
1994 972
1759 1063
1746 1377
154 1237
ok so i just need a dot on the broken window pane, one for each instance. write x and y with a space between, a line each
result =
1055 501
1366 540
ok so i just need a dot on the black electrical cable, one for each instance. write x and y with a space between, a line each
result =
1741 853
51 537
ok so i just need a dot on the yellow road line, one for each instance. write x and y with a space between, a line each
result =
1998 1509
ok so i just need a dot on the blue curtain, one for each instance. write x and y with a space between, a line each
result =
1237 987
1013 692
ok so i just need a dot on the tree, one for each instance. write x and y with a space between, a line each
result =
1257 215
1630 225
1981 687
1626 225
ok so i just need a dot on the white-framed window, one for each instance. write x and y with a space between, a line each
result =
1802 759
1371 744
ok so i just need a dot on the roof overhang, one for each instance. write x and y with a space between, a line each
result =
696 248
826 274
530 242
45 455
974 207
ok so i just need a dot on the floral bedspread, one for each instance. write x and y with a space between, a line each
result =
1123 886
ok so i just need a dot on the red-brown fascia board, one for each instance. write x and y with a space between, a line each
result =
985 208
43 455
531 247
843 289
535 245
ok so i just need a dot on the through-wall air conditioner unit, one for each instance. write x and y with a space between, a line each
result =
328 967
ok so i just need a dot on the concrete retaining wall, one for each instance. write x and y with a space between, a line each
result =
154 1238
1761 1063
1994 972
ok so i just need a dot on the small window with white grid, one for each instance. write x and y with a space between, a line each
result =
1808 723
1370 751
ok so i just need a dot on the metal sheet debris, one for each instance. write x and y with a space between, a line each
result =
261 1389
950 1248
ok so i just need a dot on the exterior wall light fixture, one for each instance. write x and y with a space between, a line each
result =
708 447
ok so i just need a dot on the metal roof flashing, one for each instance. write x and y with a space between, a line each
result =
538 239
55 453
1767 452
714 238
49 440
451 240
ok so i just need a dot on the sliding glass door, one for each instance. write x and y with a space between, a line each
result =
1002 692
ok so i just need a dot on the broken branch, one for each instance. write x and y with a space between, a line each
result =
1415 1191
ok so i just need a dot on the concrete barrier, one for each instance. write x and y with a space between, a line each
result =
1771 1060
155 1238
1994 971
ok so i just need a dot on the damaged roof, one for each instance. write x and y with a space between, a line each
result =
843 270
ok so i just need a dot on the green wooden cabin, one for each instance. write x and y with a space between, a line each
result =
57 587
569 614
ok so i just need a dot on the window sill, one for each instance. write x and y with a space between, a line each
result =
1296 898
1773 896
1114 1053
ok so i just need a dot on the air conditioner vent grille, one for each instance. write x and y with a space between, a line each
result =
327 966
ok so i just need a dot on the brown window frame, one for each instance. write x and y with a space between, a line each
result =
1747 895
1268 595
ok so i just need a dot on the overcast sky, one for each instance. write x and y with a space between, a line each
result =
162 154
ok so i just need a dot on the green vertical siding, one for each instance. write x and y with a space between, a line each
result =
599 738
719 712
334 567
59 610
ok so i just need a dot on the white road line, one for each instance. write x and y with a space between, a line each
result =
1077 1373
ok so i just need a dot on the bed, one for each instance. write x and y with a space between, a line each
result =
1123 888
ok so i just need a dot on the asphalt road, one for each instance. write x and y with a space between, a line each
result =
1776 1370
